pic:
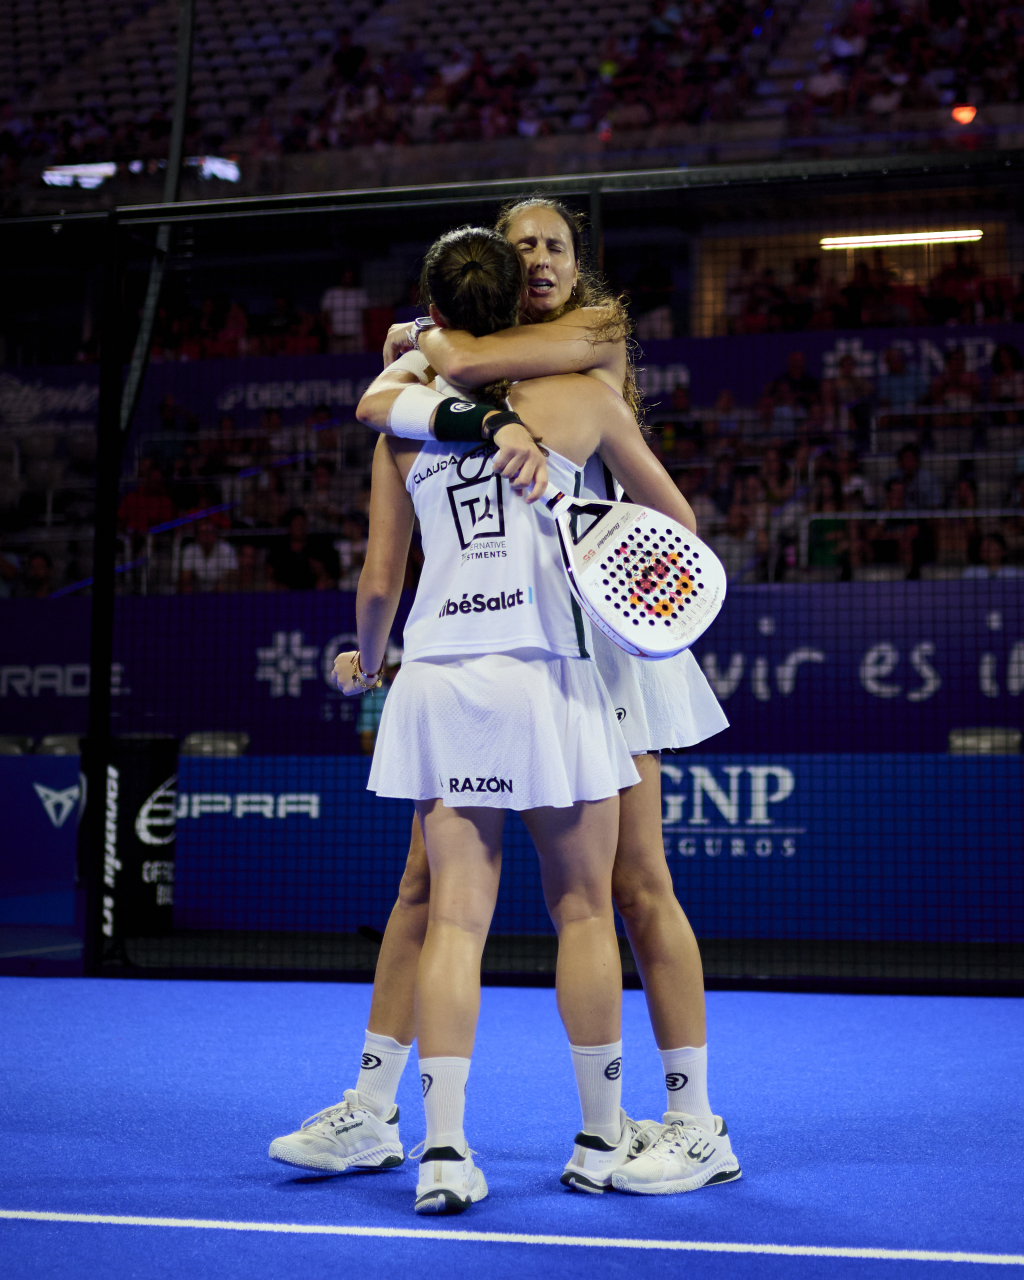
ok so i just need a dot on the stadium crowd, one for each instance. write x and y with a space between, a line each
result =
760 299
275 507
887 54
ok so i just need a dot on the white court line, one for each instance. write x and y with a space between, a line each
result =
504 1237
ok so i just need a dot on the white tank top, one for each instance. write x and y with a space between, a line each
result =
492 578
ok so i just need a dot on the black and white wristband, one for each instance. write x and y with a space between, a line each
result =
463 421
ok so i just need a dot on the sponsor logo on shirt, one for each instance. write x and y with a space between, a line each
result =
477 502
480 603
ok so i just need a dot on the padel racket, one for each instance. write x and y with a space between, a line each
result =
644 580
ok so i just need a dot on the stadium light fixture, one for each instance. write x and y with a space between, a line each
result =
89 176
900 238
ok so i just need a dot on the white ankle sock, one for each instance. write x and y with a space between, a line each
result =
444 1101
599 1081
686 1083
380 1071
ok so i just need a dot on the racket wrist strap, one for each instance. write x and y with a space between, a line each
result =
494 423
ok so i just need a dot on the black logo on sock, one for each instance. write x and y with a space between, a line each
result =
369 1061
426 1081
675 1080
613 1070
620 714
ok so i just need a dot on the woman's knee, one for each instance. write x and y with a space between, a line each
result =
642 888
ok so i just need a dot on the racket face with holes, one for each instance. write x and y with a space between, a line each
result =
644 580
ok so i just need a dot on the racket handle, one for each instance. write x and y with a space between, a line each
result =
554 502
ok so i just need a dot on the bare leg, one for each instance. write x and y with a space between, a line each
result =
666 951
464 854
394 983
576 848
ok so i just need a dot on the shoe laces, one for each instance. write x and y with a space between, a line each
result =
678 1136
333 1117
642 1134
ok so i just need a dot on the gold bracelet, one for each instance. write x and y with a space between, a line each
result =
365 679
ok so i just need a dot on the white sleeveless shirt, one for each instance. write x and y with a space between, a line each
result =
492 579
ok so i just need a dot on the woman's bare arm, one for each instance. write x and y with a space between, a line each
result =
387 551
565 345
518 459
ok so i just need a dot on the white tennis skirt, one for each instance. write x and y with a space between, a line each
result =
520 730
659 705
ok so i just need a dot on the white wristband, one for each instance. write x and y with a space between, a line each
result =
410 415
414 362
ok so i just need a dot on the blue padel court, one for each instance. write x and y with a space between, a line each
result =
880 1136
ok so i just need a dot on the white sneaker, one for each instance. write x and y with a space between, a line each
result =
448 1182
683 1157
594 1160
348 1136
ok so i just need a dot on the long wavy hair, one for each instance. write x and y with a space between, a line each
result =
589 291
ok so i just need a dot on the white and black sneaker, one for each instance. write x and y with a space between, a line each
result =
594 1160
345 1138
683 1157
448 1182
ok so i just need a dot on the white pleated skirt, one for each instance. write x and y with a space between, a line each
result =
520 730
659 705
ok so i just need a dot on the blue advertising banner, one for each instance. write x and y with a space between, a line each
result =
916 848
39 801
836 667
888 847
50 396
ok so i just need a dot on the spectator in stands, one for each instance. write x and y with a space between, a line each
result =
827 88
326 565
899 387
145 506
10 567
278 324
250 576
846 399
953 538
852 480
347 59
323 503
890 538
721 485
37 582
343 307
741 550
289 564
722 428
805 387
208 563
921 490
753 498
1007 382
955 388
704 510
351 547
776 477
991 554
828 540
371 706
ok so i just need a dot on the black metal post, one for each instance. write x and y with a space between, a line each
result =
109 448
172 192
